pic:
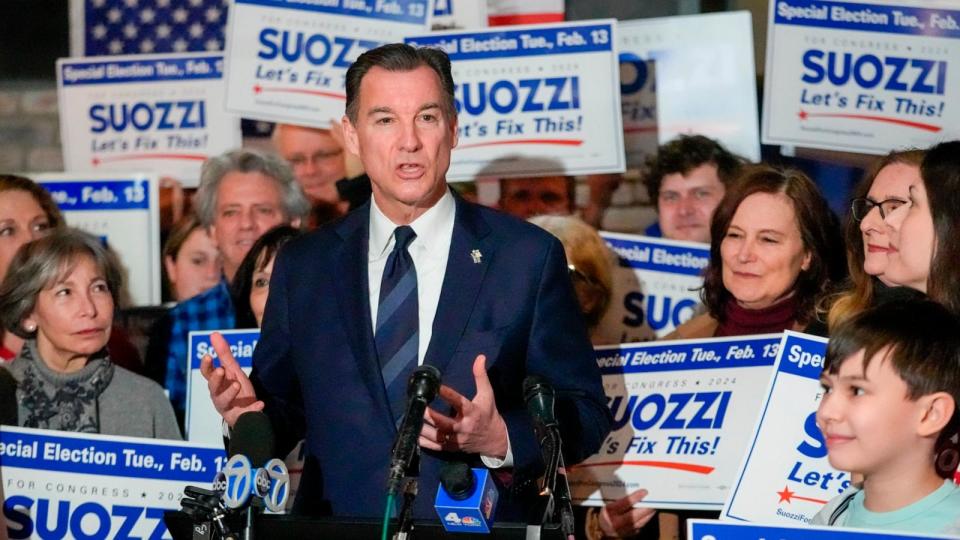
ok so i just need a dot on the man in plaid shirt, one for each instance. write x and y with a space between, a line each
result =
242 195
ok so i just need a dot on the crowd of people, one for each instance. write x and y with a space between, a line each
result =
884 287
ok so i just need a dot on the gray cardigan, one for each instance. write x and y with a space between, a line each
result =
129 405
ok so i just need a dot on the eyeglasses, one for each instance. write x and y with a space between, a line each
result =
861 206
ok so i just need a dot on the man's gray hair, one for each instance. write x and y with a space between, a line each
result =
40 264
292 200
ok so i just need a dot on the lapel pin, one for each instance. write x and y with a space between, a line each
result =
476 255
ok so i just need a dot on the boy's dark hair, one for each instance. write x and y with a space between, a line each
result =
923 338
685 153
400 57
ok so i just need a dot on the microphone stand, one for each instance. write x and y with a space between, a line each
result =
406 511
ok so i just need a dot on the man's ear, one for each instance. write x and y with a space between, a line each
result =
350 136
937 410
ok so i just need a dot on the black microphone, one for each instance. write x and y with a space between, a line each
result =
539 396
8 398
421 390
251 438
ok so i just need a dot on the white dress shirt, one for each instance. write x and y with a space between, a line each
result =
429 251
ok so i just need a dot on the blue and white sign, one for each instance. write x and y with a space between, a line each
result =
458 14
785 476
656 287
287 59
683 413
535 100
702 529
122 210
862 76
689 74
203 423
81 485
156 113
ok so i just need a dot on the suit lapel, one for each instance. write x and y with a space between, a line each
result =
470 255
353 299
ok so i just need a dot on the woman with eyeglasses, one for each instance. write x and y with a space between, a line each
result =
884 192
924 241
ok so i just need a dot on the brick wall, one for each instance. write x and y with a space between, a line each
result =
29 128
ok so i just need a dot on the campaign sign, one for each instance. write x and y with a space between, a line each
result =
656 287
682 417
287 59
450 14
123 211
534 100
703 529
785 476
80 485
862 76
689 74
203 423
157 113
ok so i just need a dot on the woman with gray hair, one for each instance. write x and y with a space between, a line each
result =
59 295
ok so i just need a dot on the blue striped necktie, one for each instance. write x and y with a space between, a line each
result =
398 321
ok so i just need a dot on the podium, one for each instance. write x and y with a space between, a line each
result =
270 526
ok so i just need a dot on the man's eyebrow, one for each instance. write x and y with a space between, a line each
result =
431 105
380 110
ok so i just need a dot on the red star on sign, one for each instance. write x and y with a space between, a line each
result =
257 89
785 495
802 114
96 161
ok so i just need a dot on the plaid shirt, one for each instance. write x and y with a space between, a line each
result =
210 310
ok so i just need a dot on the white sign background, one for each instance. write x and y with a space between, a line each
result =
156 113
535 100
287 60
656 287
683 412
785 476
700 78
124 210
80 485
868 87
203 423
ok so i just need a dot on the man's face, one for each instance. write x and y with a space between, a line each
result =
528 197
687 202
248 205
403 137
316 158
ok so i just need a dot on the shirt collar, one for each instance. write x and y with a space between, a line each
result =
429 227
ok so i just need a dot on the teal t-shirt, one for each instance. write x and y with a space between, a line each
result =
937 513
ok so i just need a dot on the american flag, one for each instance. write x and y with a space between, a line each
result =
111 27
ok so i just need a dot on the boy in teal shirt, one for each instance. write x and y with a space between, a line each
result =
891 383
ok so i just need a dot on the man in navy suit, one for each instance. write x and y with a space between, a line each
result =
487 300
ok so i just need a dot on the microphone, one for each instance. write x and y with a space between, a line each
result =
239 481
555 493
466 499
421 390
539 397
250 469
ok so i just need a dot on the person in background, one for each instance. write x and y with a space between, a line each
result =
547 195
686 179
331 178
59 295
252 283
242 195
775 249
924 244
891 382
884 190
27 212
191 260
589 261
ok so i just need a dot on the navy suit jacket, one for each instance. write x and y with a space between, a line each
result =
316 363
